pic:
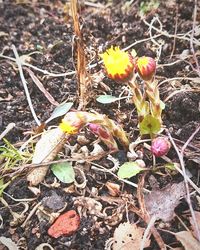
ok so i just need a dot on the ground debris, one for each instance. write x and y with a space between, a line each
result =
54 202
86 205
187 240
46 150
128 236
162 202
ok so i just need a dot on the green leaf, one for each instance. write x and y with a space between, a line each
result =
170 166
3 186
149 125
60 110
64 172
107 99
129 169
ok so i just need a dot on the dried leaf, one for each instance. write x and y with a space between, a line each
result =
128 236
8 243
197 217
46 150
42 88
161 203
88 205
187 240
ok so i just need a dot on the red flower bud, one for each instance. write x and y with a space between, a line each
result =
146 67
160 146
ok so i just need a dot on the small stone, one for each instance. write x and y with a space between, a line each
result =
54 202
66 224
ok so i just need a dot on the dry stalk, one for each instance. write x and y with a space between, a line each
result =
192 38
18 62
182 163
82 74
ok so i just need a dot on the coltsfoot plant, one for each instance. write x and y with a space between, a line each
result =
123 67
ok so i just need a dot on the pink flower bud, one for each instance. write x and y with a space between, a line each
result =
146 67
160 146
104 134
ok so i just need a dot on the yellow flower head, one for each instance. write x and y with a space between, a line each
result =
72 122
68 128
146 67
118 64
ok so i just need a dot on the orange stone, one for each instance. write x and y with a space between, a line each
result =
66 224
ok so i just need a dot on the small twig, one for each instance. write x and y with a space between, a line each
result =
178 78
192 38
189 140
175 32
20 200
45 72
103 169
180 156
18 62
7 130
31 213
147 231
178 36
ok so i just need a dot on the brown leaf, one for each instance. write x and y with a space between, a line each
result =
42 88
161 203
46 150
197 217
128 236
188 241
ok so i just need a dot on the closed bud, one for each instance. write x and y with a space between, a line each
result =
160 146
146 67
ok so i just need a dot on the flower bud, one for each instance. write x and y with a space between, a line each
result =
160 146
119 64
146 67
104 134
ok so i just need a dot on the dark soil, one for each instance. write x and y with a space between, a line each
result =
46 27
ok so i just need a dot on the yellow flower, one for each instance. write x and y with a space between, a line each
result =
146 67
68 128
118 64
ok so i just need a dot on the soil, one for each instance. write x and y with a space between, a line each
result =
43 30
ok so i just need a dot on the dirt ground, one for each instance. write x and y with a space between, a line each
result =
43 32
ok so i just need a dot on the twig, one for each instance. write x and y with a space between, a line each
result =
175 32
178 36
192 38
103 169
45 72
18 62
180 156
147 231
7 130
31 213
178 78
